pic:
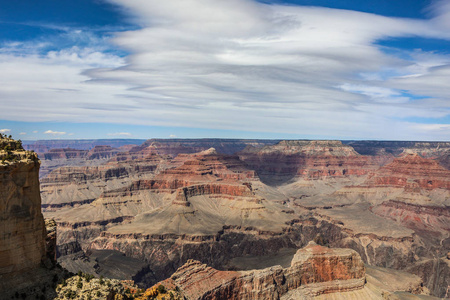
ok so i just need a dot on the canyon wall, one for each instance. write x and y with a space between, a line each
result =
22 230
171 204
315 269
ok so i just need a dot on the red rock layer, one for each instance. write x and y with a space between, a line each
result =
219 189
226 167
412 168
308 159
66 153
102 152
311 265
200 170
415 216
320 264
83 174
98 152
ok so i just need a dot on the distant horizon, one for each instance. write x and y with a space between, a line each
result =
213 138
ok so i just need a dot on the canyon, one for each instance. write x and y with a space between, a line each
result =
230 208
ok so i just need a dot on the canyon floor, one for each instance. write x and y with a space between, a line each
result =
143 211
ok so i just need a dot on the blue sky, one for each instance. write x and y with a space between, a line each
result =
240 69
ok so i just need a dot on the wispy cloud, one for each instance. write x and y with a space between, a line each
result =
120 134
238 64
55 133
5 130
23 133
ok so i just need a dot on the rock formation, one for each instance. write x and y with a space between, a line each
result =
314 271
168 201
289 160
410 167
23 247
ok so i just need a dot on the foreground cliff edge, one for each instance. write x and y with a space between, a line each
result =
28 268
22 244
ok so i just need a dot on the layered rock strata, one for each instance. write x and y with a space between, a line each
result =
43 146
410 167
289 160
316 269
214 208
22 230
21 222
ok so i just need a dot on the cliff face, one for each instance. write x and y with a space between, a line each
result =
416 216
289 160
316 269
22 230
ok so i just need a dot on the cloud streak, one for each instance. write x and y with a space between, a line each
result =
55 133
243 64
120 134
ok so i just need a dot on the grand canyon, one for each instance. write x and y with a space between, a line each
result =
224 149
230 219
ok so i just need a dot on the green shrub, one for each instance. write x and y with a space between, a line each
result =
88 277
161 289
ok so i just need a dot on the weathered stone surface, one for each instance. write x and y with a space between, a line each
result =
22 230
50 240
21 223
336 270
173 203
289 160
411 167
416 216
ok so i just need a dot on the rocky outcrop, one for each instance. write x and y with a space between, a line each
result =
410 167
316 269
23 233
22 230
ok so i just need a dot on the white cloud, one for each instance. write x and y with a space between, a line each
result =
240 65
55 133
120 134
172 136
5 130
35 131
23 133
